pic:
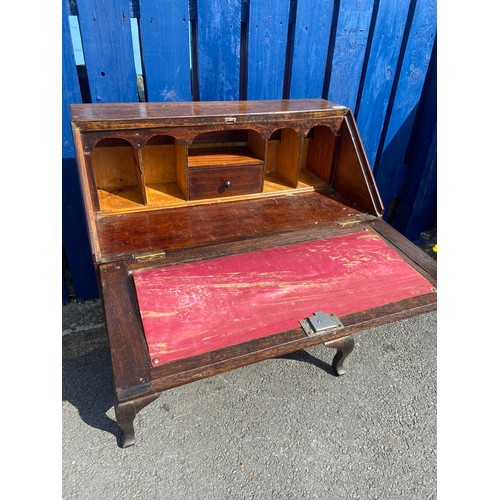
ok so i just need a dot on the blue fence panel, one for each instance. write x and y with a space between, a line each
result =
310 48
70 87
108 50
380 72
390 168
416 209
349 50
372 56
267 43
74 233
164 34
218 46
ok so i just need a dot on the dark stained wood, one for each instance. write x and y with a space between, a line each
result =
184 227
352 176
180 255
344 346
205 183
89 193
139 171
180 217
188 133
320 153
125 413
116 116
127 346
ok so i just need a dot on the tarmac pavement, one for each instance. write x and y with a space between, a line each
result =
280 429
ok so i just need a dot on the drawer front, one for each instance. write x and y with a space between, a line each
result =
221 182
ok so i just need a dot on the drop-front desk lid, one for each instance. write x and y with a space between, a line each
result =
191 308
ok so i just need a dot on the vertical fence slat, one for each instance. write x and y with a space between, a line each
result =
108 50
74 232
219 32
349 51
164 32
70 86
389 168
416 211
267 39
310 48
380 72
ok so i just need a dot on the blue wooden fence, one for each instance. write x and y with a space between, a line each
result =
377 57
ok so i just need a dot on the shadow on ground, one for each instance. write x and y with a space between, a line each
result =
87 380
305 357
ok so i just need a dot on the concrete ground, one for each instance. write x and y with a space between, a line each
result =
280 429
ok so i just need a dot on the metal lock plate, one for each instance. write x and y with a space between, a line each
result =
321 322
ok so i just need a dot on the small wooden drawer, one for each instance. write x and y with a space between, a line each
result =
222 181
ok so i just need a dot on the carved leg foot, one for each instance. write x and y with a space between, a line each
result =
125 415
344 347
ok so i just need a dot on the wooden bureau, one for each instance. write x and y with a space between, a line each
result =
226 233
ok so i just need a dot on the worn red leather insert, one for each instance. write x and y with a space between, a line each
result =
196 307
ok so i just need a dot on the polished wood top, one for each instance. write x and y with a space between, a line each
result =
116 115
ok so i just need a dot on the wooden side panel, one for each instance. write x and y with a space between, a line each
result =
288 156
107 46
349 51
219 31
164 32
312 33
139 173
267 39
192 308
180 167
353 177
380 73
389 169
319 158
126 342
256 144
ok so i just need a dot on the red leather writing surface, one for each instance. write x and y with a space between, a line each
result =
196 307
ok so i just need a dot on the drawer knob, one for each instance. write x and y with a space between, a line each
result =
227 184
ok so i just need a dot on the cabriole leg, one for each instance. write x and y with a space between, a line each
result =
125 415
344 347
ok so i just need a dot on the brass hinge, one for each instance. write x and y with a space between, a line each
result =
351 222
147 256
